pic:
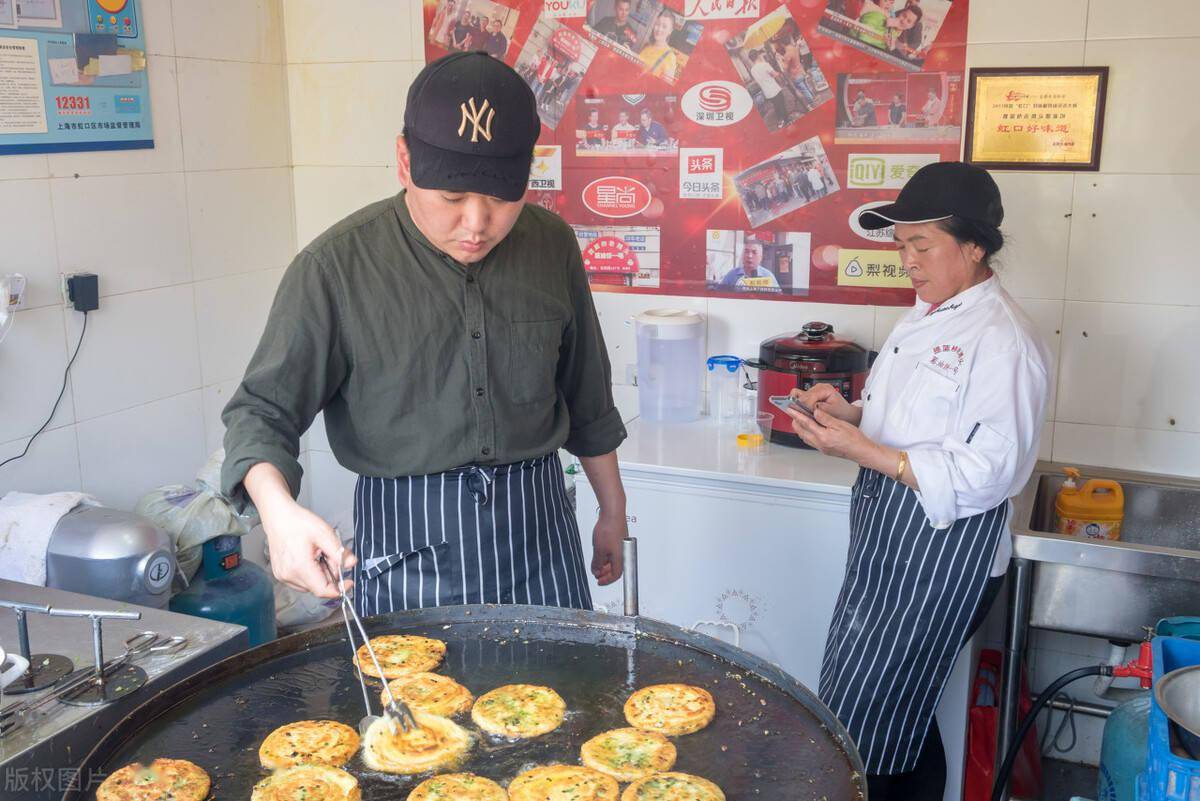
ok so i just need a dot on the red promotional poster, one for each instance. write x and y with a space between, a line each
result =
724 147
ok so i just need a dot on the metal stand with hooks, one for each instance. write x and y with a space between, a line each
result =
104 686
44 669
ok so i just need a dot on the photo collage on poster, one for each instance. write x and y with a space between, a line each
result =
726 149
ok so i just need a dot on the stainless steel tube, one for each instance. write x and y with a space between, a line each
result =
1015 636
629 557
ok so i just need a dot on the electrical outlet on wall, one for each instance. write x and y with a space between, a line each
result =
12 292
80 291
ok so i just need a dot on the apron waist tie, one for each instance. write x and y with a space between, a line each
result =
479 482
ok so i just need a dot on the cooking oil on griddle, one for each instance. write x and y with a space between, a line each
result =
763 743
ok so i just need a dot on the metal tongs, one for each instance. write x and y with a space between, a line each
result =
394 711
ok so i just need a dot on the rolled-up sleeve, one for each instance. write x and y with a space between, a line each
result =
585 375
299 364
994 440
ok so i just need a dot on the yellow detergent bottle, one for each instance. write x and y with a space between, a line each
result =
1093 510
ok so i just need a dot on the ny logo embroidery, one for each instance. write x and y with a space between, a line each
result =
479 125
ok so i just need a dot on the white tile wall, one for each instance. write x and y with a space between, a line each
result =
29 246
203 30
1045 54
1110 19
1141 449
32 359
315 438
1047 317
211 93
215 398
1159 137
90 211
18 167
886 318
325 195
348 113
1037 225
156 21
1127 238
155 334
1010 21
332 486
1046 444
235 310
416 28
626 399
123 456
145 416
327 32
1124 363
52 464
240 221
306 484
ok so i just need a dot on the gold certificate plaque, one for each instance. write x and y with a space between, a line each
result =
1030 118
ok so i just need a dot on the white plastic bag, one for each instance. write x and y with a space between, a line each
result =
194 514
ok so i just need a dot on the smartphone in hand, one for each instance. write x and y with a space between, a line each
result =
786 402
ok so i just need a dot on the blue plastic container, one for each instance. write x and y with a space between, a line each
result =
230 590
1179 626
1123 751
1169 777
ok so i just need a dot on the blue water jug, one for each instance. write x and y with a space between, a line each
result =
230 590
1123 751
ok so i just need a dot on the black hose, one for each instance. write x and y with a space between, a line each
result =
1023 730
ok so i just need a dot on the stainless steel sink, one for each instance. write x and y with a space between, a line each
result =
1098 588
1112 589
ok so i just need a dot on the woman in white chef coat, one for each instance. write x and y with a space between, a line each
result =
945 433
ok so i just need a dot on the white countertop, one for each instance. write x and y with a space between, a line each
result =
707 450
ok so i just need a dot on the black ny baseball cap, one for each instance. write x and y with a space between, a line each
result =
471 123
939 191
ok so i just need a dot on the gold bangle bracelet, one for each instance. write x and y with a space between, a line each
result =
903 465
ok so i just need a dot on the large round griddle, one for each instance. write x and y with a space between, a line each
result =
772 739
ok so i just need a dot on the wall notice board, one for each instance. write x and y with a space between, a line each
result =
723 147
73 76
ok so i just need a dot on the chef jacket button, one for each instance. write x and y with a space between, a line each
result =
470 279
895 350
476 335
868 396
485 451
479 392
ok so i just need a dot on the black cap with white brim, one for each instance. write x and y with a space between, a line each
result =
938 192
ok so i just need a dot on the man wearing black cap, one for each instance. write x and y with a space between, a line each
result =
945 433
449 336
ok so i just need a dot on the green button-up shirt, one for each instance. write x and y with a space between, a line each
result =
422 364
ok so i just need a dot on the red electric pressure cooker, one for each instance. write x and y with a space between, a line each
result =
812 356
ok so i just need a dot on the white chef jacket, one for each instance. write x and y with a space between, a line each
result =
963 390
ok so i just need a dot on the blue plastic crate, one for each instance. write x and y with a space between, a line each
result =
1169 777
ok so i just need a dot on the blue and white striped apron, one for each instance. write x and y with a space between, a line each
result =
496 534
907 600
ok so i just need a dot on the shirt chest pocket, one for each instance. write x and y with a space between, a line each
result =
925 408
533 359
